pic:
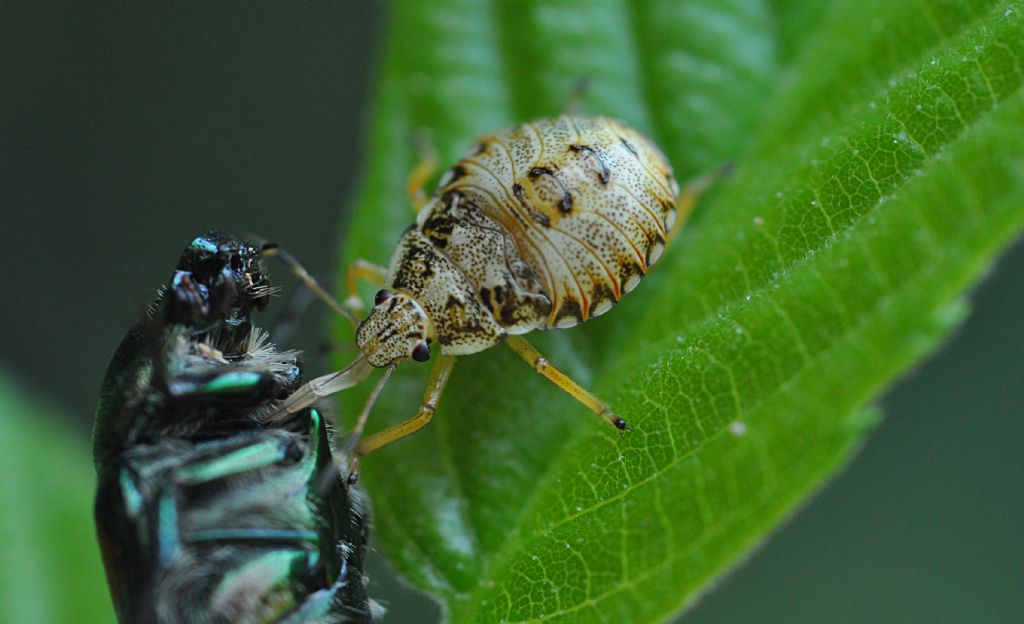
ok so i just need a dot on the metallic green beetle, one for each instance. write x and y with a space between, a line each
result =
205 512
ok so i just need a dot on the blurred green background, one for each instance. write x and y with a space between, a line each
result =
125 131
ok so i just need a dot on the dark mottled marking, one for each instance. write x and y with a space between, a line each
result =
445 340
429 259
418 264
457 173
569 307
604 174
468 210
601 292
480 149
565 204
472 329
542 219
426 267
485 297
520 193
499 293
452 302
629 147
443 224
414 334
439 230
524 201
652 236
385 334
399 283
656 238
448 199
628 270
508 314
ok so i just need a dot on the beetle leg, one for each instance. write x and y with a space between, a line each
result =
232 462
438 378
314 607
560 379
227 387
361 269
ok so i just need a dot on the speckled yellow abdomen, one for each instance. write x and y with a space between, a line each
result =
587 201
542 226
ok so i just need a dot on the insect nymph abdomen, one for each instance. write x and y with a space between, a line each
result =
587 201
548 224
489 257
543 226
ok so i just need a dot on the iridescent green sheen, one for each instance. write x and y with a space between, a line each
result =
230 383
206 513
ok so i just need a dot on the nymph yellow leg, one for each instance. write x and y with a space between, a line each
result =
690 194
361 269
419 177
438 378
348 454
375 274
560 379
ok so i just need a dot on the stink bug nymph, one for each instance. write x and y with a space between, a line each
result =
543 226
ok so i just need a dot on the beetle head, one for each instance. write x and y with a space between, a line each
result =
217 280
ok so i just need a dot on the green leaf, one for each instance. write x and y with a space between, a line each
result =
50 569
879 150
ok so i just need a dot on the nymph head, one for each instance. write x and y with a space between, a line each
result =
396 329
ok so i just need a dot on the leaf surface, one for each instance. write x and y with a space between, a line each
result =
878 151
50 568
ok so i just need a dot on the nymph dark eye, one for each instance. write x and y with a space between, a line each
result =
421 353
382 296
